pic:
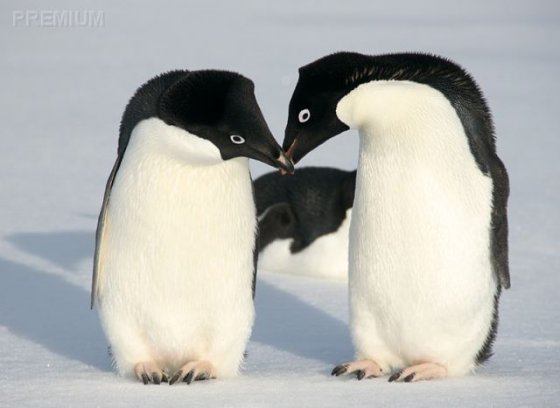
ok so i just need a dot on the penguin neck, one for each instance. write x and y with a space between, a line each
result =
401 121
155 138
165 179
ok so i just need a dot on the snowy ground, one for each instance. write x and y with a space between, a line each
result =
63 91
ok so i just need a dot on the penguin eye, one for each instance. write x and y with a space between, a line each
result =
304 115
237 139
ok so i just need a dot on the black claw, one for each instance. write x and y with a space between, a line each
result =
175 377
155 378
360 374
339 369
188 379
409 378
201 377
164 378
395 376
145 379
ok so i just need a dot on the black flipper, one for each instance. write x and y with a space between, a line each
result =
499 232
143 105
255 261
255 247
99 236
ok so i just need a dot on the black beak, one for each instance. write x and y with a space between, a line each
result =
295 146
263 148
291 149
295 149
285 164
272 154
298 144
289 157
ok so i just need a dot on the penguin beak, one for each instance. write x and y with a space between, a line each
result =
295 149
291 149
263 147
289 156
272 154
285 164
279 159
297 145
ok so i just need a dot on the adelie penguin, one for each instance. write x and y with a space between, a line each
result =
174 272
428 252
304 221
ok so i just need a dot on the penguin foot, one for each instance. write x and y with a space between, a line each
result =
362 368
419 372
149 372
193 371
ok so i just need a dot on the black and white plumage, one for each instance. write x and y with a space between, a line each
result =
428 252
174 269
304 221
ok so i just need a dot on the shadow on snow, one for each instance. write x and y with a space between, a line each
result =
55 314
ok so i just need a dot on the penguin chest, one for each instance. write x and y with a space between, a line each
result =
180 251
419 256
416 231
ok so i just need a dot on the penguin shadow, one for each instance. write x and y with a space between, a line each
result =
63 248
49 311
45 309
287 323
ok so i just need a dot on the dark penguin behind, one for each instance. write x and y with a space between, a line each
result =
311 203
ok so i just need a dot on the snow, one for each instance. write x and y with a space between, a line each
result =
63 91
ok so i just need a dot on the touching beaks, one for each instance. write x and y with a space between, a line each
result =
289 156
285 164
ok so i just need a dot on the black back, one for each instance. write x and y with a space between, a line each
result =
305 206
342 72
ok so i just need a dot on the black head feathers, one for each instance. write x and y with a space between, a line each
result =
219 106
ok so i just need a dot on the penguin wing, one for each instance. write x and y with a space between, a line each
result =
255 261
100 237
255 242
499 227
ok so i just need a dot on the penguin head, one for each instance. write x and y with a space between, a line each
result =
322 84
220 107
312 118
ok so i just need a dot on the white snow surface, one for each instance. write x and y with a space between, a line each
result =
63 91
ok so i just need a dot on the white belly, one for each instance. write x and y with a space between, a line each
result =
421 281
326 257
179 261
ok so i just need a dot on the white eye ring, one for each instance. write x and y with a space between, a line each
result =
237 139
304 115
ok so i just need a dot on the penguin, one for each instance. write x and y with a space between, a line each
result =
428 250
174 266
304 221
